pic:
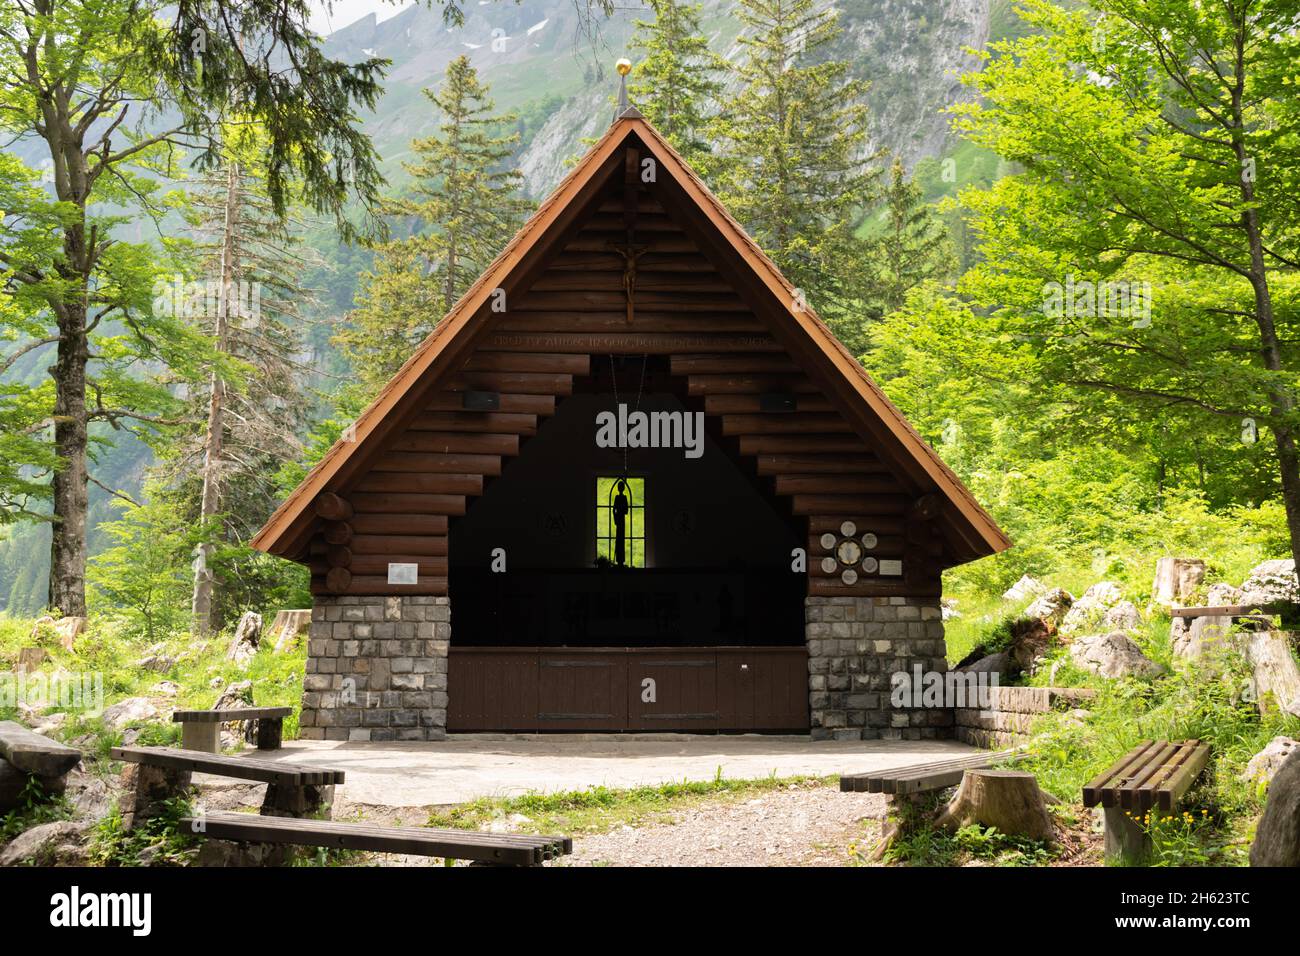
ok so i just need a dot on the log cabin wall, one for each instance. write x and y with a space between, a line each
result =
761 407
382 663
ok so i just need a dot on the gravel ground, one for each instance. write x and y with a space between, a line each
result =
796 827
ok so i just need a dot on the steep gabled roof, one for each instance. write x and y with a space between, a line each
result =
802 332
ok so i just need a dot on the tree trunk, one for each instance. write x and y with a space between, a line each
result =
210 502
67 590
1007 799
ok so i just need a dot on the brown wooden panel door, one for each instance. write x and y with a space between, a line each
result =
582 690
492 689
763 688
672 690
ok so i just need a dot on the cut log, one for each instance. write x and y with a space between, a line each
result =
1007 799
338 579
1277 678
337 532
331 507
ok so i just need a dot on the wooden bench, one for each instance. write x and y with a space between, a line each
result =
501 849
201 729
1152 777
26 755
1287 611
921 777
292 789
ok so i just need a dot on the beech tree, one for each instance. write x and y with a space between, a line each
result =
118 94
1148 252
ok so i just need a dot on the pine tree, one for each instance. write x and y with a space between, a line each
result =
677 79
465 202
912 247
797 171
253 307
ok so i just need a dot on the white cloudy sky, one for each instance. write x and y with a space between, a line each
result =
350 11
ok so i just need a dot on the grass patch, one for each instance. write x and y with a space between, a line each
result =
601 809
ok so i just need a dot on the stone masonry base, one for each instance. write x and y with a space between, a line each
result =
377 669
855 644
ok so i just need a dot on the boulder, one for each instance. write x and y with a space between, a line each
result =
1123 616
238 694
1054 605
1024 589
1271 581
1222 594
133 710
1089 610
61 843
247 639
999 663
1176 579
1113 655
1263 767
165 688
948 609
1277 838
156 660
1276 675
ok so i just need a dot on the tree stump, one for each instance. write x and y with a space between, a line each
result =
1007 799
31 658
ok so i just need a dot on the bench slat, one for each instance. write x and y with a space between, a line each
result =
1094 790
228 714
1155 773
509 849
917 778
240 768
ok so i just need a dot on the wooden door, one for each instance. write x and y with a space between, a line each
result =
672 689
581 689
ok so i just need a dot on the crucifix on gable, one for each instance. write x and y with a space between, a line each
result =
630 250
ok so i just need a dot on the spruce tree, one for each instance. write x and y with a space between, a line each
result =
913 245
253 306
797 170
463 204
676 78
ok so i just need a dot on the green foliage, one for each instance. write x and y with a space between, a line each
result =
35 807
161 840
676 78
790 157
142 579
462 207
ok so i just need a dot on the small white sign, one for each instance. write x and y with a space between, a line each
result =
403 574
888 566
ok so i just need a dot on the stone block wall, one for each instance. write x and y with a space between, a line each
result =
377 669
855 644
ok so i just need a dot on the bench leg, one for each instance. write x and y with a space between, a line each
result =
287 801
146 788
201 736
270 731
1126 842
